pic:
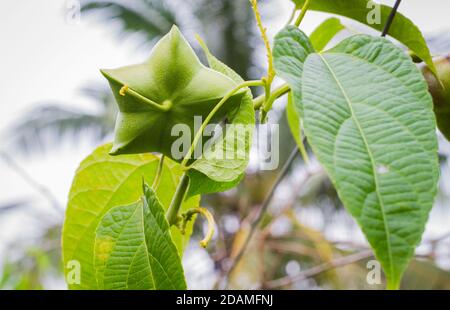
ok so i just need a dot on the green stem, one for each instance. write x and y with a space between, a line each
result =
302 13
177 200
261 212
284 89
276 93
211 115
291 18
158 173
164 107
267 89
392 284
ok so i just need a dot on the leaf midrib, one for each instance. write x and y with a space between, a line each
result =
361 132
144 243
115 245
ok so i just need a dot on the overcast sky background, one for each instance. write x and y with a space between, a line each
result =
45 58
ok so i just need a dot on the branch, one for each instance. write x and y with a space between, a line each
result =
44 191
391 18
261 213
338 262
279 91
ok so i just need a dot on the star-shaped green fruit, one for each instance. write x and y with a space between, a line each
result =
170 88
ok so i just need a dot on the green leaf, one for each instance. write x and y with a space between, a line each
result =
326 31
402 28
134 248
205 185
223 163
226 159
368 118
218 65
291 48
103 182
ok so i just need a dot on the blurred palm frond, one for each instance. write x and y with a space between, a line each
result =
53 121
12 206
150 18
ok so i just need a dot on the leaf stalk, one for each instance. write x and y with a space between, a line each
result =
302 13
157 179
177 200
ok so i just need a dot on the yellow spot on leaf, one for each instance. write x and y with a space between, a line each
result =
104 247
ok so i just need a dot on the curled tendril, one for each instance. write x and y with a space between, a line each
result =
123 90
187 216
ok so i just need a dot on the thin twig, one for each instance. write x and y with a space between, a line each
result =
313 271
390 18
263 31
260 215
291 17
44 191
339 262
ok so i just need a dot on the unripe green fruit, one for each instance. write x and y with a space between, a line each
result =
440 94
170 88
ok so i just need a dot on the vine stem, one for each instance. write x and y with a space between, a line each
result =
213 112
313 271
158 173
291 17
302 13
276 93
261 213
177 200
263 31
284 89
270 69
183 185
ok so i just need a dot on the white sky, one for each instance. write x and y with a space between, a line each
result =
45 58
